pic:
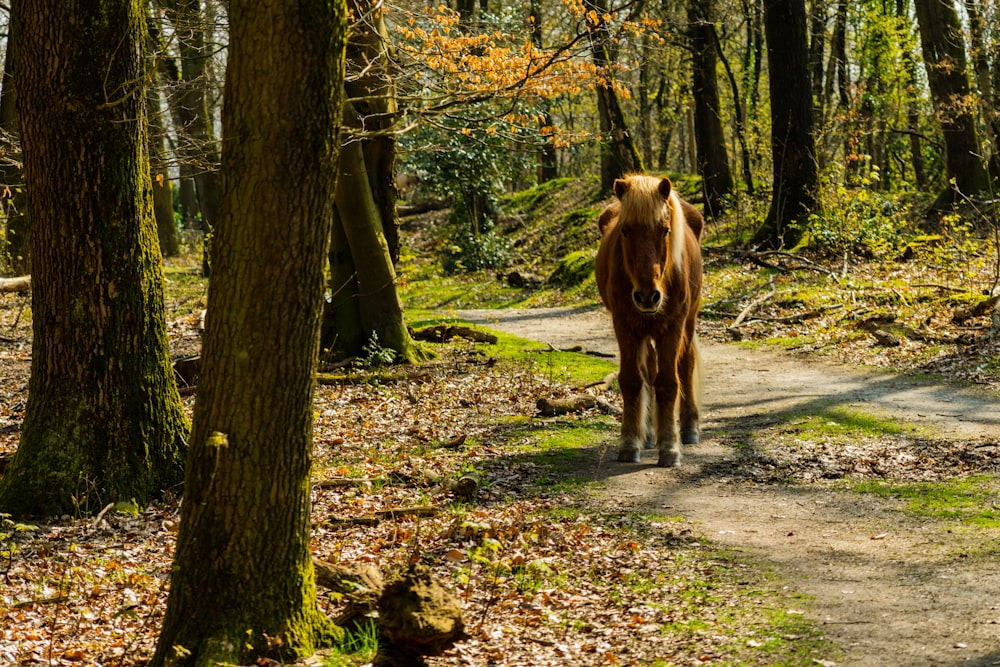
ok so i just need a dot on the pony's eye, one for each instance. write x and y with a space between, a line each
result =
664 231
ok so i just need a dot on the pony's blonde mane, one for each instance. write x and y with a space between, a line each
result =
643 203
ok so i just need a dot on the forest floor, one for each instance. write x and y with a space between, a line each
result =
886 587
764 548
835 512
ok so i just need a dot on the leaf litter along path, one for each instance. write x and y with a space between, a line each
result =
887 588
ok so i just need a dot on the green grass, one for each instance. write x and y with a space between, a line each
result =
971 501
838 422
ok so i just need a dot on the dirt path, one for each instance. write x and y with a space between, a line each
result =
887 589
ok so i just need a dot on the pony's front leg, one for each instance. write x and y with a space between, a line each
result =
668 439
634 408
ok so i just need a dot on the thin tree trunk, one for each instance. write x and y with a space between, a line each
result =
739 112
193 119
163 191
792 143
619 155
104 421
242 587
15 197
988 100
548 160
943 46
713 159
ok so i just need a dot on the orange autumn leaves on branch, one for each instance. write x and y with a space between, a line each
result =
450 66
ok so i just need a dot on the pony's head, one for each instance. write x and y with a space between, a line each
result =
652 228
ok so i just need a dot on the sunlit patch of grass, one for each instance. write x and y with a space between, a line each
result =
972 501
841 421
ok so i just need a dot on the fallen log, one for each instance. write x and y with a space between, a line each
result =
19 284
979 309
553 407
442 333
378 517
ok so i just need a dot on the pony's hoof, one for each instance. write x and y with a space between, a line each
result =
630 456
690 437
669 460
649 444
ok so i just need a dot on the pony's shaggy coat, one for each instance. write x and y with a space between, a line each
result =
649 274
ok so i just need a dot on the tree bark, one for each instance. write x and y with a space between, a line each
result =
988 99
713 159
104 421
242 586
943 45
548 160
793 149
912 107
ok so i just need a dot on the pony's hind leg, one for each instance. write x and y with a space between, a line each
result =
689 369
649 364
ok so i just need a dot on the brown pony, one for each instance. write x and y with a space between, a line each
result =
648 271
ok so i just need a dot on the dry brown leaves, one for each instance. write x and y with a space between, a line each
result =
545 579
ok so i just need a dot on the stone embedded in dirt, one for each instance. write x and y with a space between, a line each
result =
417 616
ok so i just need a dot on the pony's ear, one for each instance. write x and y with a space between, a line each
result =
621 187
664 187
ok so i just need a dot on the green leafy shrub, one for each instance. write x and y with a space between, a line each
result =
855 219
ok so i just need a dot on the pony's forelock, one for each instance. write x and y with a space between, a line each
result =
641 202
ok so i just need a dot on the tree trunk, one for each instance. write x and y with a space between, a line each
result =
15 204
197 146
793 149
381 314
372 94
365 244
912 107
242 587
548 160
988 100
619 155
163 190
713 159
342 335
943 44
817 47
104 421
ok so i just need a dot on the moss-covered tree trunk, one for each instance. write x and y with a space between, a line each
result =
104 420
242 585
365 242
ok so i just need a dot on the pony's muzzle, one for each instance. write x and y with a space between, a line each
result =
647 301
